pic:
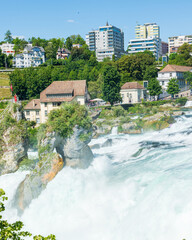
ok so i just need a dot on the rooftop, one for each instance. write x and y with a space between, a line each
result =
175 68
77 87
132 85
33 105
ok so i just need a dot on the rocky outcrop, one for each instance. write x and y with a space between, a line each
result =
36 181
13 146
73 149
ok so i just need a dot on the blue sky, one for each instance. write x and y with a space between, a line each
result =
61 18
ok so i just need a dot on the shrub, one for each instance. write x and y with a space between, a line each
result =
181 101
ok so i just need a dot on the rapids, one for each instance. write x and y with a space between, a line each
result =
140 188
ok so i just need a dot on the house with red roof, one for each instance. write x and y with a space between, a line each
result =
53 96
132 92
173 71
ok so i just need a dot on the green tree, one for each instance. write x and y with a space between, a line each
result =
154 87
95 87
8 37
188 78
111 84
19 45
68 43
150 72
14 230
173 87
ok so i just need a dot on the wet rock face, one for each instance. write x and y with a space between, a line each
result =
74 151
36 181
13 152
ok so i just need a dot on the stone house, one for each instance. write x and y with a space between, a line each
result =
53 96
132 92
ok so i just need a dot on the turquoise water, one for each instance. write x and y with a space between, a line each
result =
139 188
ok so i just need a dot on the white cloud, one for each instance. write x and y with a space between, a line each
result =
70 21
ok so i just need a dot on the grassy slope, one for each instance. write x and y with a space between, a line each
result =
4 81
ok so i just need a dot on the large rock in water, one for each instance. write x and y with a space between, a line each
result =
71 151
37 180
14 149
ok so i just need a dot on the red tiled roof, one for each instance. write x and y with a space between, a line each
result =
77 87
34 104
175 68
132 85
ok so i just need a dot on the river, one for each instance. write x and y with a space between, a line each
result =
139 188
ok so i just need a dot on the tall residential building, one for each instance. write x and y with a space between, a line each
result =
147 30
152 44
106 42
176 42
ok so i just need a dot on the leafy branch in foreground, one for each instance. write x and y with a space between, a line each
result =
14 230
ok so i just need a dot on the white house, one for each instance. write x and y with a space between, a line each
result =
8 49
132 92
173 71
31 57
53 96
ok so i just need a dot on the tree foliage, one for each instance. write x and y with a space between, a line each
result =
154 87
111 84
8 36
173 87
183 56
14 230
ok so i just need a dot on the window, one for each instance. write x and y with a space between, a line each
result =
28 113
28 119
163 83
45 104
127 94
37 120
45 112
37 112
170 74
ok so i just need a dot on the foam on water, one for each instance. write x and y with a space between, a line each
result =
140 188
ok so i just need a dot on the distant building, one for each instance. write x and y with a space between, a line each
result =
164 47
147 30
77 45
177 41
173 71
63 53
31 57
151 44
132 92
53 96
106 42
8 49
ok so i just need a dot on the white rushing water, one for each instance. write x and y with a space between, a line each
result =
139 188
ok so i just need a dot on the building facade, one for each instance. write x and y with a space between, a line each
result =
8 49
106 42
147 30
176 42
151 44
53 96
164 47
132 92
31 57
173 71
63 53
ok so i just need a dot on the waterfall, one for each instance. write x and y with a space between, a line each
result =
114 130
188 104
139 189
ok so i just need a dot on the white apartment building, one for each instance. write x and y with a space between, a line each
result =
147 30
173 71
176 42
31 57
53 96
106 42
8 49
152 44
